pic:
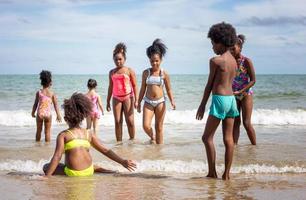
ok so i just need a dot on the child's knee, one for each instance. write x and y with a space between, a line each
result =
247 123
146 127
205 139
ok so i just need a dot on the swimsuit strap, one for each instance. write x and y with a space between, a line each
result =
70 132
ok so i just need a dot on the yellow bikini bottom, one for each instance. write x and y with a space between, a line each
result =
85 172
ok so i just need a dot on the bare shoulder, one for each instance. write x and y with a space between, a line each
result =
165 73
216 61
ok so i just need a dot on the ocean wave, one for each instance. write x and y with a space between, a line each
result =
260 117
161 166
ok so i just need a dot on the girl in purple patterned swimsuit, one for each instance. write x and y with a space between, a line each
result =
244 80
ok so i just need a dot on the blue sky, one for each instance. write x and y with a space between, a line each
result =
78 36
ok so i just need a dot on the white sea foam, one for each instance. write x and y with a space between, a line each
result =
162 166
260 117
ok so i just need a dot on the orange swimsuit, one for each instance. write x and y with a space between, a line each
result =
122 89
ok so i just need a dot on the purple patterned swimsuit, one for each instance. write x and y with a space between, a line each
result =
242 79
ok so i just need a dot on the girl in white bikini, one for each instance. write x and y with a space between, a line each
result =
152 92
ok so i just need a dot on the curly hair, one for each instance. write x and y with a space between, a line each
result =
120 48
240 40
157 48
76 109
92 83
45 78
223 33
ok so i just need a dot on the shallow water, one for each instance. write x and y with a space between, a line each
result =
274 169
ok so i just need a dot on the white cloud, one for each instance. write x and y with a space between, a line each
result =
69 33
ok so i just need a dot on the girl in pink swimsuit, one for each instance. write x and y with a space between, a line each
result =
123 89
93 118
242 87
43 102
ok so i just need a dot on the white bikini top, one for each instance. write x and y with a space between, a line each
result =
155 80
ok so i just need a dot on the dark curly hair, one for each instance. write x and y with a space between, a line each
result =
92 83
120 48
45 78
157 48
240 40
223 33
76 109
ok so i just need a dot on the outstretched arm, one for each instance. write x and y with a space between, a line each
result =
169 90
96 143
142 89
35 104
110 91
59 150
58 113
208 88
134 85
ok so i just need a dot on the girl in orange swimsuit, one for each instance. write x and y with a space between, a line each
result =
43 102
75 143
123 89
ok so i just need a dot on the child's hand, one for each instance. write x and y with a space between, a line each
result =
136 104
200 112
33 115
59 119
139 108
129 164
173 105
108 108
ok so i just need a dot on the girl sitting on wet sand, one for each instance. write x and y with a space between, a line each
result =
76 141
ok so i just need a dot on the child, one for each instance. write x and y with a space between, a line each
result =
153 81
242 87
223 106
94 116
43 101
123 88
76 141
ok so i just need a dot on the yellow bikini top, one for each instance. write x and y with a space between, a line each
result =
77 142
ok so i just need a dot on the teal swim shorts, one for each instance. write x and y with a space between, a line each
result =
223 107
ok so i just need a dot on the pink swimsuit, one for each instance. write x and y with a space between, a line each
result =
122 88
44 105
95 111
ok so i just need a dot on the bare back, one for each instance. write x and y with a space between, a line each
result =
225 72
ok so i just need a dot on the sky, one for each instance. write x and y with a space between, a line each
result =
78 36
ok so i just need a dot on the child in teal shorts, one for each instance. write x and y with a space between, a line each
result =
223 105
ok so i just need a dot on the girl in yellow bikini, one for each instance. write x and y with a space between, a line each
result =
75 142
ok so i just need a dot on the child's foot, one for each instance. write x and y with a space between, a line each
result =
225 177
212 175
152 141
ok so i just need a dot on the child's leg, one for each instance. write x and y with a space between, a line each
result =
247 107
207 138
128 109
237 124
58 171
160 111
118 112
39 125
98 169
227 129
148 113
95 124
88 122
48 122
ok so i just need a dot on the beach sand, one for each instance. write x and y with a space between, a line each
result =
274 169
